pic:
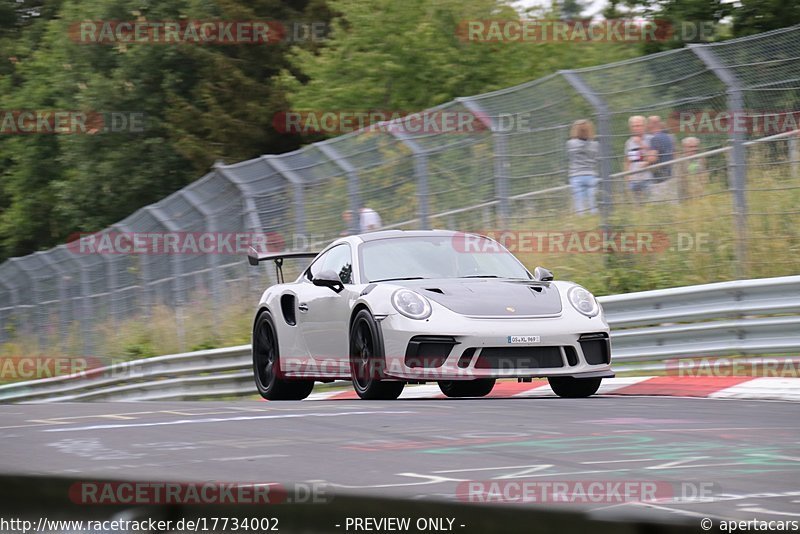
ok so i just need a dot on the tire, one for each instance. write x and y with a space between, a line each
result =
574 388
467 388
367 360
266 365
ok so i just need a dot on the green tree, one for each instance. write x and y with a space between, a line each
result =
199 103
756 16
413 57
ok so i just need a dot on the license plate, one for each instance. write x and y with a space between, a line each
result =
515 340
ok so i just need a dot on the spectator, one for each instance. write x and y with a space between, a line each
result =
582 152
638 156
347 219
693 177
368 219
663 145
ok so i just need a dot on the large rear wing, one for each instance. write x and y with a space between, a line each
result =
255 257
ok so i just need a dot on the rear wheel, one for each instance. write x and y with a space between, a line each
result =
574 388
467 388
267 368
367 361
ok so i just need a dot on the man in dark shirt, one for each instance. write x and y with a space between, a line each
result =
661 141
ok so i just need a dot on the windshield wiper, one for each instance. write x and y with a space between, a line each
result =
481 276
400 278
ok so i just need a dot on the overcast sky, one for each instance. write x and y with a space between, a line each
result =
593 7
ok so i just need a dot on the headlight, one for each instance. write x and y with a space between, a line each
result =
410 304
583 301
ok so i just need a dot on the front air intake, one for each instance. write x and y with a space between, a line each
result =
596 348
429 351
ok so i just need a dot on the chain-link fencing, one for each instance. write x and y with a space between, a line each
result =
727 209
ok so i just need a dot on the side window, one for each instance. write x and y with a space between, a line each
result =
318 266
339 261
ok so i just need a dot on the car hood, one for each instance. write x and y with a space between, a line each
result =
481 297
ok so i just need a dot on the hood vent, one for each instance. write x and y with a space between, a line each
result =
434 290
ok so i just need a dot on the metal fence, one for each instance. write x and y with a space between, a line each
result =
734 213
650 331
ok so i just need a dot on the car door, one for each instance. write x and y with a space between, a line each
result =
324 314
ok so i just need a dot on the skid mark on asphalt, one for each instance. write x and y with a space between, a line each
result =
222 420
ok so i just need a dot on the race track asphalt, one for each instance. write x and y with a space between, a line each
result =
719 458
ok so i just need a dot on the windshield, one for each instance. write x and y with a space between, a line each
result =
450 256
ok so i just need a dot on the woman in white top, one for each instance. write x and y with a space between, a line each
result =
582 153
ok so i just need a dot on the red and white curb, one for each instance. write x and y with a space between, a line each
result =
724 387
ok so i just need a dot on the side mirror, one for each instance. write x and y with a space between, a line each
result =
252 256
328 279
542 274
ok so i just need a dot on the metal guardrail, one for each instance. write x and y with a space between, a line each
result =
760 316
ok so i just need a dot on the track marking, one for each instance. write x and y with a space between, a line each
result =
526 468
221 420
254 457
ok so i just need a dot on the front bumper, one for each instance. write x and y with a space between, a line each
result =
470 348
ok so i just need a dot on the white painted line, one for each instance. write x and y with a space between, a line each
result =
324 395
610 385
762 388
543 390
421 391
220 420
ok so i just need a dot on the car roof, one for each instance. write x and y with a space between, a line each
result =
386 234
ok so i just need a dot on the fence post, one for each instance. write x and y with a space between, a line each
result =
57 272
298 193
604 136
737 176
353 187
176 270
87 318
212 260
500 163
420 171
12 293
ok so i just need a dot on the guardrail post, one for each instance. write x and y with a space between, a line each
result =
500 160
604 138
420 172
737 175
353 187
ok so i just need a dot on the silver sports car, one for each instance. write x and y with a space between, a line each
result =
388 308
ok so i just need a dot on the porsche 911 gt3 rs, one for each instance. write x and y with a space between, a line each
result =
393 307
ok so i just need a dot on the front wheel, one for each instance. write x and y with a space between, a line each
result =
574 388
367 361
467 388
267 366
